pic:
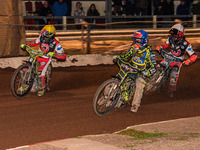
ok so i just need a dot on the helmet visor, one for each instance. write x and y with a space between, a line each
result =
46 35
173 32
137 41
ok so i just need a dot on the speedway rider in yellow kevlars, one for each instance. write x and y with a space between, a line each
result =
143 58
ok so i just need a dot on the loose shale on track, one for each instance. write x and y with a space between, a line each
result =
66 111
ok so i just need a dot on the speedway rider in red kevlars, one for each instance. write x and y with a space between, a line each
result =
48 44
179 47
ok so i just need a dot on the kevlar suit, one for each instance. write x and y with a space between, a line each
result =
144 60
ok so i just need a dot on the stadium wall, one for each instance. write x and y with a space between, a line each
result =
74 60
11 34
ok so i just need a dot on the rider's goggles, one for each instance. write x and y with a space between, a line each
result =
138 41
175 36
47 34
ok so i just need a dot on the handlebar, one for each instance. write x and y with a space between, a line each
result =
32 52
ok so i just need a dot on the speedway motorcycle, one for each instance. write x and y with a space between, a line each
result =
159 79
25 76
118 91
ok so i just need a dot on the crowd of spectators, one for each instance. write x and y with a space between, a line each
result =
160 7
119 7
63 8
131 7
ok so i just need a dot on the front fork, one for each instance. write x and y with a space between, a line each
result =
162 74
160 77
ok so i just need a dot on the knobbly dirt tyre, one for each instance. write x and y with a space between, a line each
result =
98 94
14 79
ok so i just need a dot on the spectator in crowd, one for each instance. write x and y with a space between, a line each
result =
182 9
51 2
92 11
159 9
168 7
117 4
78 12
142 7
59 9
69 5
45 10
131 8
196 8
156 3
189 3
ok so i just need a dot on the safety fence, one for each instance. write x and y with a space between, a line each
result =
87 33
92 38
116 22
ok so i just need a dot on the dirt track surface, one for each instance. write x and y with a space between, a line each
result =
66 111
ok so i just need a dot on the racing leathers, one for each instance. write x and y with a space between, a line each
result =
178 49
144 61
52 47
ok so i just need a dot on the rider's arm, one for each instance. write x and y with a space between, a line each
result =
128 54
192 55
152 62
165 44
34 43
59 52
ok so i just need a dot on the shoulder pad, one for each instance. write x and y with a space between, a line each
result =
59 47
185 43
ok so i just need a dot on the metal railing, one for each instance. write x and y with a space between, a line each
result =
89 32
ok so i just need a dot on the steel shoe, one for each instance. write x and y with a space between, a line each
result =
40 92
134 108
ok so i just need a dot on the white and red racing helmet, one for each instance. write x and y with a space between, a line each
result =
177 32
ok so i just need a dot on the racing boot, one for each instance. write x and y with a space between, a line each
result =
40 92
134 108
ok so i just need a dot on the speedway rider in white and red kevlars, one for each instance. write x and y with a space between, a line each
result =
179 46
48 44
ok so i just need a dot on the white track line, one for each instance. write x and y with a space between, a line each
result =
18 147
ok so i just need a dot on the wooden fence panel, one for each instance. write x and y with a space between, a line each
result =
11 29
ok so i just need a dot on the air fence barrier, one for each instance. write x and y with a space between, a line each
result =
88 32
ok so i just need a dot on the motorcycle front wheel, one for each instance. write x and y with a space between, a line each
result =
22 81
106 97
